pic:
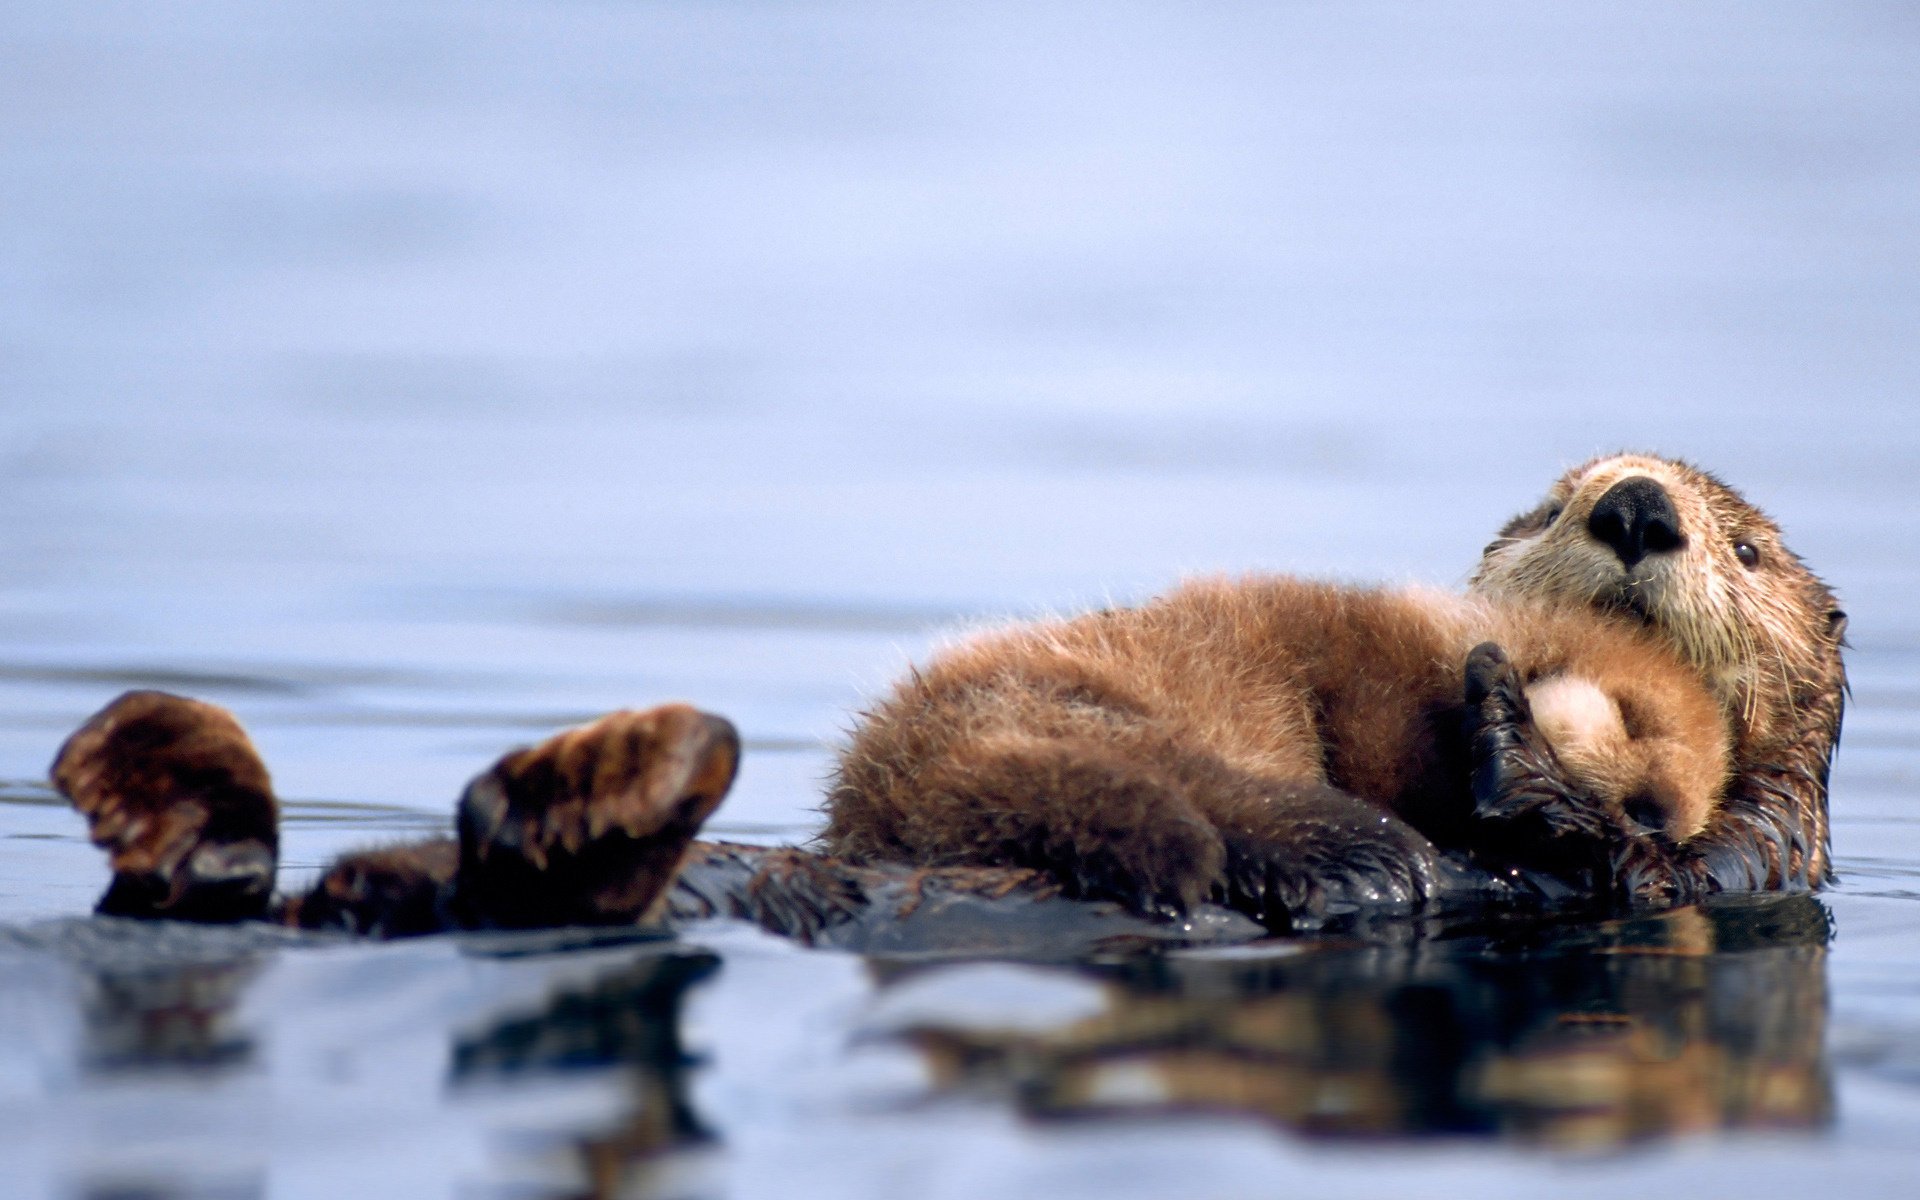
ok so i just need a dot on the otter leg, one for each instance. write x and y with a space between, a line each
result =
1135 818
176 794
589 826
1106 818
1530 810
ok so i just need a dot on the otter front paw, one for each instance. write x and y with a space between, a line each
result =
1160 867
588 826
1517 783
1647 873
1303 852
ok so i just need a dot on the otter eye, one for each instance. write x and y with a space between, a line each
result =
1747 554
1553 514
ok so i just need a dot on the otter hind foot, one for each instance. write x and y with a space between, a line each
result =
588 827
177 795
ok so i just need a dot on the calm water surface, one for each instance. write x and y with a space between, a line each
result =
418 378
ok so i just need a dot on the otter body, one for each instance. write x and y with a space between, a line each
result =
1638 699
1665 639
1180 751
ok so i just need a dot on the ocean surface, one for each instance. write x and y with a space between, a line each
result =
417 379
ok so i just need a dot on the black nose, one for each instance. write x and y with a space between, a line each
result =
1636 518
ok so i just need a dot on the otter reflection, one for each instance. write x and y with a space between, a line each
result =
167 1018
1591 1035
627 1018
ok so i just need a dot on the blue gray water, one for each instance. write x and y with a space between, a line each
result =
418 378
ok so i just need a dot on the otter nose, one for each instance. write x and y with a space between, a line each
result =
1636 518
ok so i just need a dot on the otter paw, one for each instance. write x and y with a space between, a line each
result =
1164 873
1309 851
1517 782
588 826
1647 873
175 793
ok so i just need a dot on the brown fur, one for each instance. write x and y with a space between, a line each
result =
1767 638
1145 755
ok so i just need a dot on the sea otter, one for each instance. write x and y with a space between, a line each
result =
1181 750
1667 546
1592 752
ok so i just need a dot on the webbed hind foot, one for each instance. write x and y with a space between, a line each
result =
588 827
176 794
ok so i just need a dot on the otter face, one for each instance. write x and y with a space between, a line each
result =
1670 546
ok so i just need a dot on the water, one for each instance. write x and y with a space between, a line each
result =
418 378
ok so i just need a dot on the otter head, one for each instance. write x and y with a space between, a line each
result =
1671 547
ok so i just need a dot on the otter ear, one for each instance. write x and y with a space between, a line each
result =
1836 624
